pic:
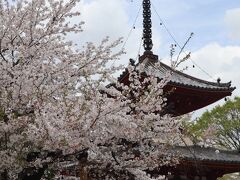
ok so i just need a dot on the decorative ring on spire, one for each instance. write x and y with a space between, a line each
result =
147 26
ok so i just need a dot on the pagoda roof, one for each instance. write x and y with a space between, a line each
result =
187 92
179 78
182 79
210 154
200 161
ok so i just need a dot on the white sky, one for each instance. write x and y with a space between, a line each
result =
215 23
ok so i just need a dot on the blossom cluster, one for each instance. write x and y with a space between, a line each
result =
54 101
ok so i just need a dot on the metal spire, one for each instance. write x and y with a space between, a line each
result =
147 26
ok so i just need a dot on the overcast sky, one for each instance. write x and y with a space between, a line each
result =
215 46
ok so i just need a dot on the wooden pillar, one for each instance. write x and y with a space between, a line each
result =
83 173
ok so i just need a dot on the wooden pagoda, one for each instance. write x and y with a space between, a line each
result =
187 93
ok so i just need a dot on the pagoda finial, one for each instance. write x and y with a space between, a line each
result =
147 26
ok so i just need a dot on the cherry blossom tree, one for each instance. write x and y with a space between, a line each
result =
55 106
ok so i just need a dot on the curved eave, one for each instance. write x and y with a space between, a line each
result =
223 87
214 84
185 99
185 93
204 168
203 84
201 161
203 89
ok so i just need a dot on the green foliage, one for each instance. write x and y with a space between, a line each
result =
233 176
222 123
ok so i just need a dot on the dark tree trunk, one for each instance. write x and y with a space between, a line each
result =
32 173
4 175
